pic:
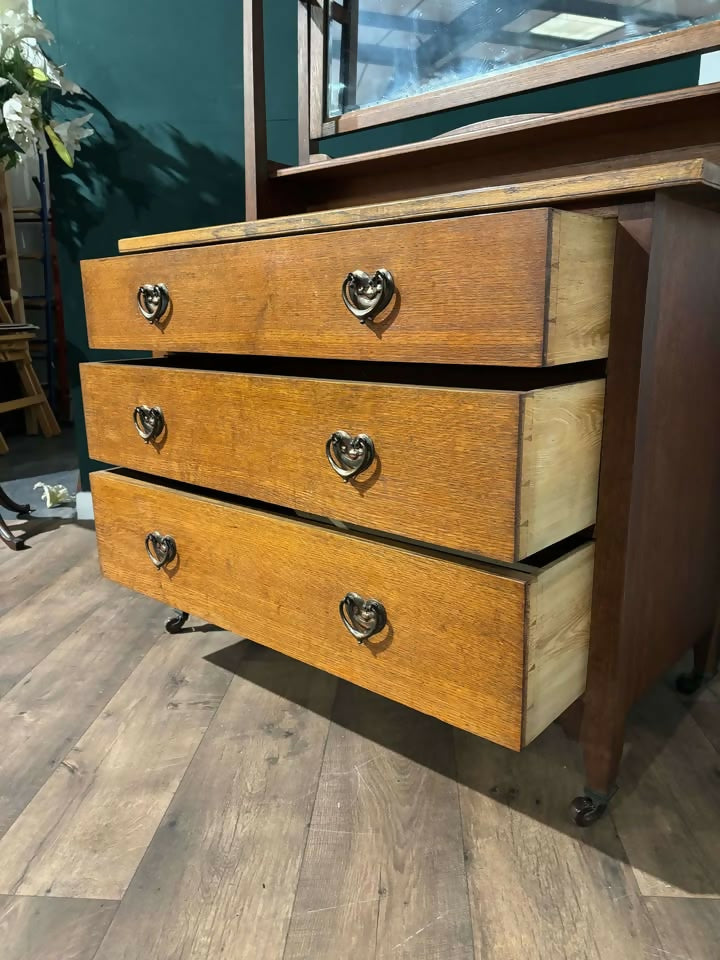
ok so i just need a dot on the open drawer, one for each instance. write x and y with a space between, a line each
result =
494 650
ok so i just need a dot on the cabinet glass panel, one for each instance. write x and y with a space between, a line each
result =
385 50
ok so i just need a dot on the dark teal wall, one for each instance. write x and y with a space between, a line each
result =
164 80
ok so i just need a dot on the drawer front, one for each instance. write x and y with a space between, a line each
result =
498 473
456 639
527 287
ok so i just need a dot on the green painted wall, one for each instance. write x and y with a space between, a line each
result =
164 80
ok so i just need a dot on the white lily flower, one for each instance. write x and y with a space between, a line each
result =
18 114
56 75
72 132
18 26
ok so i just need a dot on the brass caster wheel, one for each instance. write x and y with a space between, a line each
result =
176 622
585 811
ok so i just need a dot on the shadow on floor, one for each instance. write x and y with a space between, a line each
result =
541 781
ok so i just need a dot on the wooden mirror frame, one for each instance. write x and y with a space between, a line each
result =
312 124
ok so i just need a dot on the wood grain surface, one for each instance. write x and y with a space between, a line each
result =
219 872
666 813
561 436
557 639
442 651
453 451
52 928
61 550
366 882
282 296
566 895
582 258
638 178
129 764
222 869
72 596
37 729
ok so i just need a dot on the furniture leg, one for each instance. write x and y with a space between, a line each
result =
176 621
22 509
706 654
3 446
8 537
602 754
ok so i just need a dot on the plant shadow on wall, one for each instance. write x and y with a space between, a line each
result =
126 183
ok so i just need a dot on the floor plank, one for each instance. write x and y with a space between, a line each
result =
541 888
46 712
383 872
85 831
43 928
219 878
688 929
31 629
53 550
667 809
706 715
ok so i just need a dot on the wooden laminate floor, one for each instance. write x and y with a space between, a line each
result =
196 797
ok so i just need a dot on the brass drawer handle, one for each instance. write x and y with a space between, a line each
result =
161 549
363 618
348 455
153 300
149 422
366 297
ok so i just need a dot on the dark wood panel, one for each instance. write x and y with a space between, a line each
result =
631 132
606 695
658 531
674 550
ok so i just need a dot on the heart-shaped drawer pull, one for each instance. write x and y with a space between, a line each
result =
366 296
149 422
348 455
153 300
363 618
160 548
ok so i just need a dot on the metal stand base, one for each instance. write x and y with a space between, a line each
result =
176 621
22 510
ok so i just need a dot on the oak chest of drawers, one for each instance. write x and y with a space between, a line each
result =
378 448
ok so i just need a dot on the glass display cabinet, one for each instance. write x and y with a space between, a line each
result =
387 59
365 63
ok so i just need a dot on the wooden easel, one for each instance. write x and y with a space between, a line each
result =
16 334
15 348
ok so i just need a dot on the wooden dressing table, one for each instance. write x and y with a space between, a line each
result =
442 422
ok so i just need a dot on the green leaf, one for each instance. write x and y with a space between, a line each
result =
37 74
60 148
